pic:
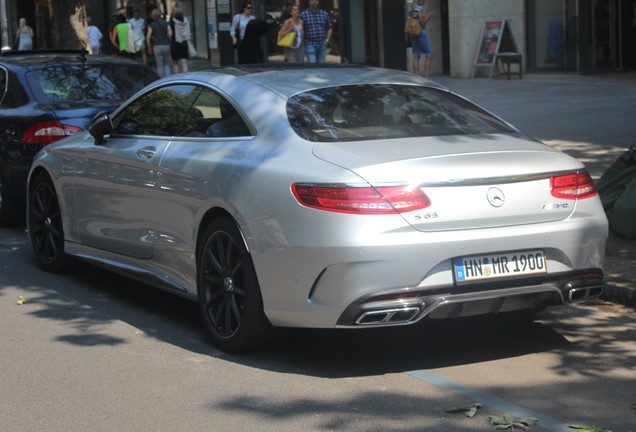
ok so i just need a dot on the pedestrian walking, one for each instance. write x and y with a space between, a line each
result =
415 28
119 36
251 50
296 52
181 35
158 42
238 28
138 25
24 36
317 31
95 37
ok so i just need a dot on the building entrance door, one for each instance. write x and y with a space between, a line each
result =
611 36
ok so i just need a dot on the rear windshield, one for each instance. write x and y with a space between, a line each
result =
90 82
370 112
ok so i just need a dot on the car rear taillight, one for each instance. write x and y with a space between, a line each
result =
47 132
573 186
361 200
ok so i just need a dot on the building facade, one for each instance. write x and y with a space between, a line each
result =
559 35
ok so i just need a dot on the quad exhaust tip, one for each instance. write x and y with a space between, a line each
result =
386 316
580 294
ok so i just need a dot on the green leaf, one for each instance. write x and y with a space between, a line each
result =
471 412
589 428
506 419
528 421
455 409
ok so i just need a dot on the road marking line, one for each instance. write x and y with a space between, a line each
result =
504 406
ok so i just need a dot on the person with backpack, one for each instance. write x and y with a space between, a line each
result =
415 28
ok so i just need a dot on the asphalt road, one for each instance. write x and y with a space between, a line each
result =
93 351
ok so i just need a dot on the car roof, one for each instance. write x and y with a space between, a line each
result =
290 79
38 59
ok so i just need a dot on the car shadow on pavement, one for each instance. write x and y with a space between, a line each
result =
425 345
89 299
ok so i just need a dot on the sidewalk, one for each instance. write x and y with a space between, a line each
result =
590 117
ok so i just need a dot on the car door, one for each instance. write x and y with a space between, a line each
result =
116 182
201 162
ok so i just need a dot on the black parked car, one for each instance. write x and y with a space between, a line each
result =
46 96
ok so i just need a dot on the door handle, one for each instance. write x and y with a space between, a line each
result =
146 153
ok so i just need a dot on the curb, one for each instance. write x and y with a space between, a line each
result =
619 281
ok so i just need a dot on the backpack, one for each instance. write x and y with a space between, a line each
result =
413 27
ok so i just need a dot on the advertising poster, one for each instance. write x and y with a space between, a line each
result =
489 43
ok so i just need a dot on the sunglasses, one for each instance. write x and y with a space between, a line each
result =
248 7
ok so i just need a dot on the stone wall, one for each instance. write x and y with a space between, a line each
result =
466 21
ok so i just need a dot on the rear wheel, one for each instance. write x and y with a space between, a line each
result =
9 212
229 295
45 225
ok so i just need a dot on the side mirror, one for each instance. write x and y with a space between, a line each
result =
100 126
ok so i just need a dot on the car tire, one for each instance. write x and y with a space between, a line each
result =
9 212
228 292
45 225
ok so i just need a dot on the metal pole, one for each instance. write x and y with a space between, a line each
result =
6 45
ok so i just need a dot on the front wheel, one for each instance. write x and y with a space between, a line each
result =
229 295
45 225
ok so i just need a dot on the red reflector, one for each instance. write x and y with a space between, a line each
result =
361 200
47 132
573 186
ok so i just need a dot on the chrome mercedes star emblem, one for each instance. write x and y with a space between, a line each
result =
496 197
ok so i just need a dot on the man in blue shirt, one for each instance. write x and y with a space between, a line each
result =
318 30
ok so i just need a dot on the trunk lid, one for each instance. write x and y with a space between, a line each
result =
472 182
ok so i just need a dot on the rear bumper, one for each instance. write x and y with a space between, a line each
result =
476 299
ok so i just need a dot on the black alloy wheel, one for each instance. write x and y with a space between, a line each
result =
45 225
229 295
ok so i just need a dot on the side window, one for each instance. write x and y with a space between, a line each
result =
162 112
3 85
212 115
13 93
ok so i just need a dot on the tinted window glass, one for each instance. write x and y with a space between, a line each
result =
14 94
368 112
91 82
212 115
163 111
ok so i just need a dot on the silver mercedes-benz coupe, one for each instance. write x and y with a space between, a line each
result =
319 196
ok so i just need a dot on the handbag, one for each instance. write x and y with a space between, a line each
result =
192 52
287 41
134 42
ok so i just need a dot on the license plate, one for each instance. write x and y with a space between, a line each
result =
472 268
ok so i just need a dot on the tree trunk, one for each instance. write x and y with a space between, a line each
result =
62 24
